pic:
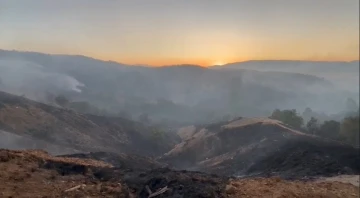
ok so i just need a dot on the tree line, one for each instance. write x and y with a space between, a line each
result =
346 130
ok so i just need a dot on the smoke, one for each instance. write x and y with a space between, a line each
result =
16 142
181 93
23 77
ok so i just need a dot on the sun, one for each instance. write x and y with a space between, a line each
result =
219 63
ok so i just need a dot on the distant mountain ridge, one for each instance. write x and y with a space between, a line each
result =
287 65
15 53
341 72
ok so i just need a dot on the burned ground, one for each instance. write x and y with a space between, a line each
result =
23 174
309 157
120 160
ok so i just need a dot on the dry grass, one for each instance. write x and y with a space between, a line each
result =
276 188
34 155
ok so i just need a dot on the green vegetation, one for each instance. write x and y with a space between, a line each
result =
144 118
350 130
347 130
61 100
289 117
330 129
351 105
157 133
312 126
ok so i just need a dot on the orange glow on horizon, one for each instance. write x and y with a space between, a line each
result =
207 63
281 54
169 62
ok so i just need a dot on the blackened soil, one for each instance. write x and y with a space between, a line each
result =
120 160
181 183
309 157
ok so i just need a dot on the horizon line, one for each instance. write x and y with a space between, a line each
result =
180 64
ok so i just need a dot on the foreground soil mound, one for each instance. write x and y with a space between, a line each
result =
70 129
250 146
35 173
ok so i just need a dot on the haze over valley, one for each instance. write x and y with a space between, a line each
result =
181 92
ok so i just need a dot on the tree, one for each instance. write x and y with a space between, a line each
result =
144 118
227 117
307 114
235 94
312 126
157 133
289 117
61 100
351 105
49 97
81 106
350 130
125 114
329 129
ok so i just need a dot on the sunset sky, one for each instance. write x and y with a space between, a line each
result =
164 32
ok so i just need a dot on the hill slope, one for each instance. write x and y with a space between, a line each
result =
244 146
18 142
69 129
262 146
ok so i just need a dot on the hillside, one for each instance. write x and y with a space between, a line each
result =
260 146
240 147
26 174
19 142
72 130
243 146
114 157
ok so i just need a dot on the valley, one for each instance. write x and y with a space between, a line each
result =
117 157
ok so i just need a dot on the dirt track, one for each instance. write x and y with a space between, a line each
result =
25 174
347 179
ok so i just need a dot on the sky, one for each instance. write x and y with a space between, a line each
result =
165 32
